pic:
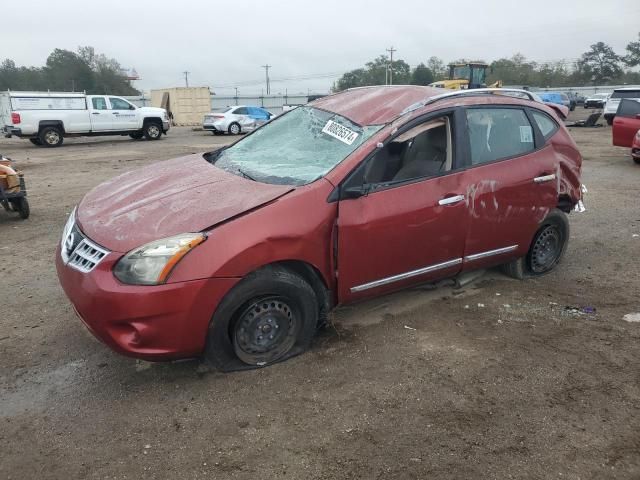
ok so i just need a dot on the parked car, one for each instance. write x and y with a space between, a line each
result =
596 100
557 98
237 119
626 125
238 254
611 107
47 118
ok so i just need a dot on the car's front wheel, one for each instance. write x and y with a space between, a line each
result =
547 248
152 131
269 316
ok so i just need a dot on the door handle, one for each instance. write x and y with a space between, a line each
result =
451 200
116 113
545 178
95 113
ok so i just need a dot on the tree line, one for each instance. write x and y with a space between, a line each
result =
600 65
67 71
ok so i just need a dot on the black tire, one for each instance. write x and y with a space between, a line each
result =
636 159
137 135
51 137
36 141
152 130
547 248
609 121
234 129
271 315
21 205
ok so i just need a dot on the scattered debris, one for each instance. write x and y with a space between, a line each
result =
635 235
466 307
409 328
498 294
588 310
506 305
481 305
632 317
573 310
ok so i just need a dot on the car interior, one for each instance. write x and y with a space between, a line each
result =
423 151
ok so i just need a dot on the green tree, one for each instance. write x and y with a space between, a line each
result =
602 62
632 58
422 75
67 71
437 67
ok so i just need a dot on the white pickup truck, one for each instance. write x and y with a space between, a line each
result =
46 118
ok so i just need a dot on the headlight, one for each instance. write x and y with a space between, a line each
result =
152 263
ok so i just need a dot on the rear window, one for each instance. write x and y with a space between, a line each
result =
626 94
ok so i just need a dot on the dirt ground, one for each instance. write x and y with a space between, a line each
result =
496 381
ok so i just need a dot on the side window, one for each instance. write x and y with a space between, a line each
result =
421 152
99 103
628 108
496 133
546 124
241 111
119 104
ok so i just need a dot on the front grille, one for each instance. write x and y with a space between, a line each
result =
79 252
86 256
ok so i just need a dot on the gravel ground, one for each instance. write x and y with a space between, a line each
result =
420 384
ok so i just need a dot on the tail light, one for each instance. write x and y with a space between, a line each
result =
15 118
218 116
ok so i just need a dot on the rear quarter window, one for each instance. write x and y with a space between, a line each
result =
546 124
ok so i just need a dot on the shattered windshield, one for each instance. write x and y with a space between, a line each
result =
294 149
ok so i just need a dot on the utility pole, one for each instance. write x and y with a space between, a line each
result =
266 70
391 50
186 78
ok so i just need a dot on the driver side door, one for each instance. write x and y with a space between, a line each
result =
409 225
123 113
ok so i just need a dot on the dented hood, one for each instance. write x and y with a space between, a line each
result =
186 194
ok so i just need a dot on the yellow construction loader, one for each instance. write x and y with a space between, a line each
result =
463 76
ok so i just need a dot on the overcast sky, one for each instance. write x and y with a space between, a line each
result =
224 43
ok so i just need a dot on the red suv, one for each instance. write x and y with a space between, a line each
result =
626 127
239 253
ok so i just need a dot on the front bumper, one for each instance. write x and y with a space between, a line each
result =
594 105
166 125
162 322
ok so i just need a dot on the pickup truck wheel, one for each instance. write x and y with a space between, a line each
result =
152 131
36 141
136 135
51 137
234 128
269 316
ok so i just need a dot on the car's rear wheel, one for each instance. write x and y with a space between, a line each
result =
269 316
51 137
547 248
234 128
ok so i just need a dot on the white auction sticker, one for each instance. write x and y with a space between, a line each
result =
526 134
340 132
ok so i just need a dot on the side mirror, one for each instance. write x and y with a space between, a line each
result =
354 192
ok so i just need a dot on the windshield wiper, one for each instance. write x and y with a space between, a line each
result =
246 175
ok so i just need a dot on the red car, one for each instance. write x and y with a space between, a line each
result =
626 127
239 253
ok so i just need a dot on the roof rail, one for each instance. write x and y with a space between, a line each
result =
509 92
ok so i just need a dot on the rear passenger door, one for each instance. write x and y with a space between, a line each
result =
510 180
101 118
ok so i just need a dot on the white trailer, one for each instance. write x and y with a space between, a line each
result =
45 118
